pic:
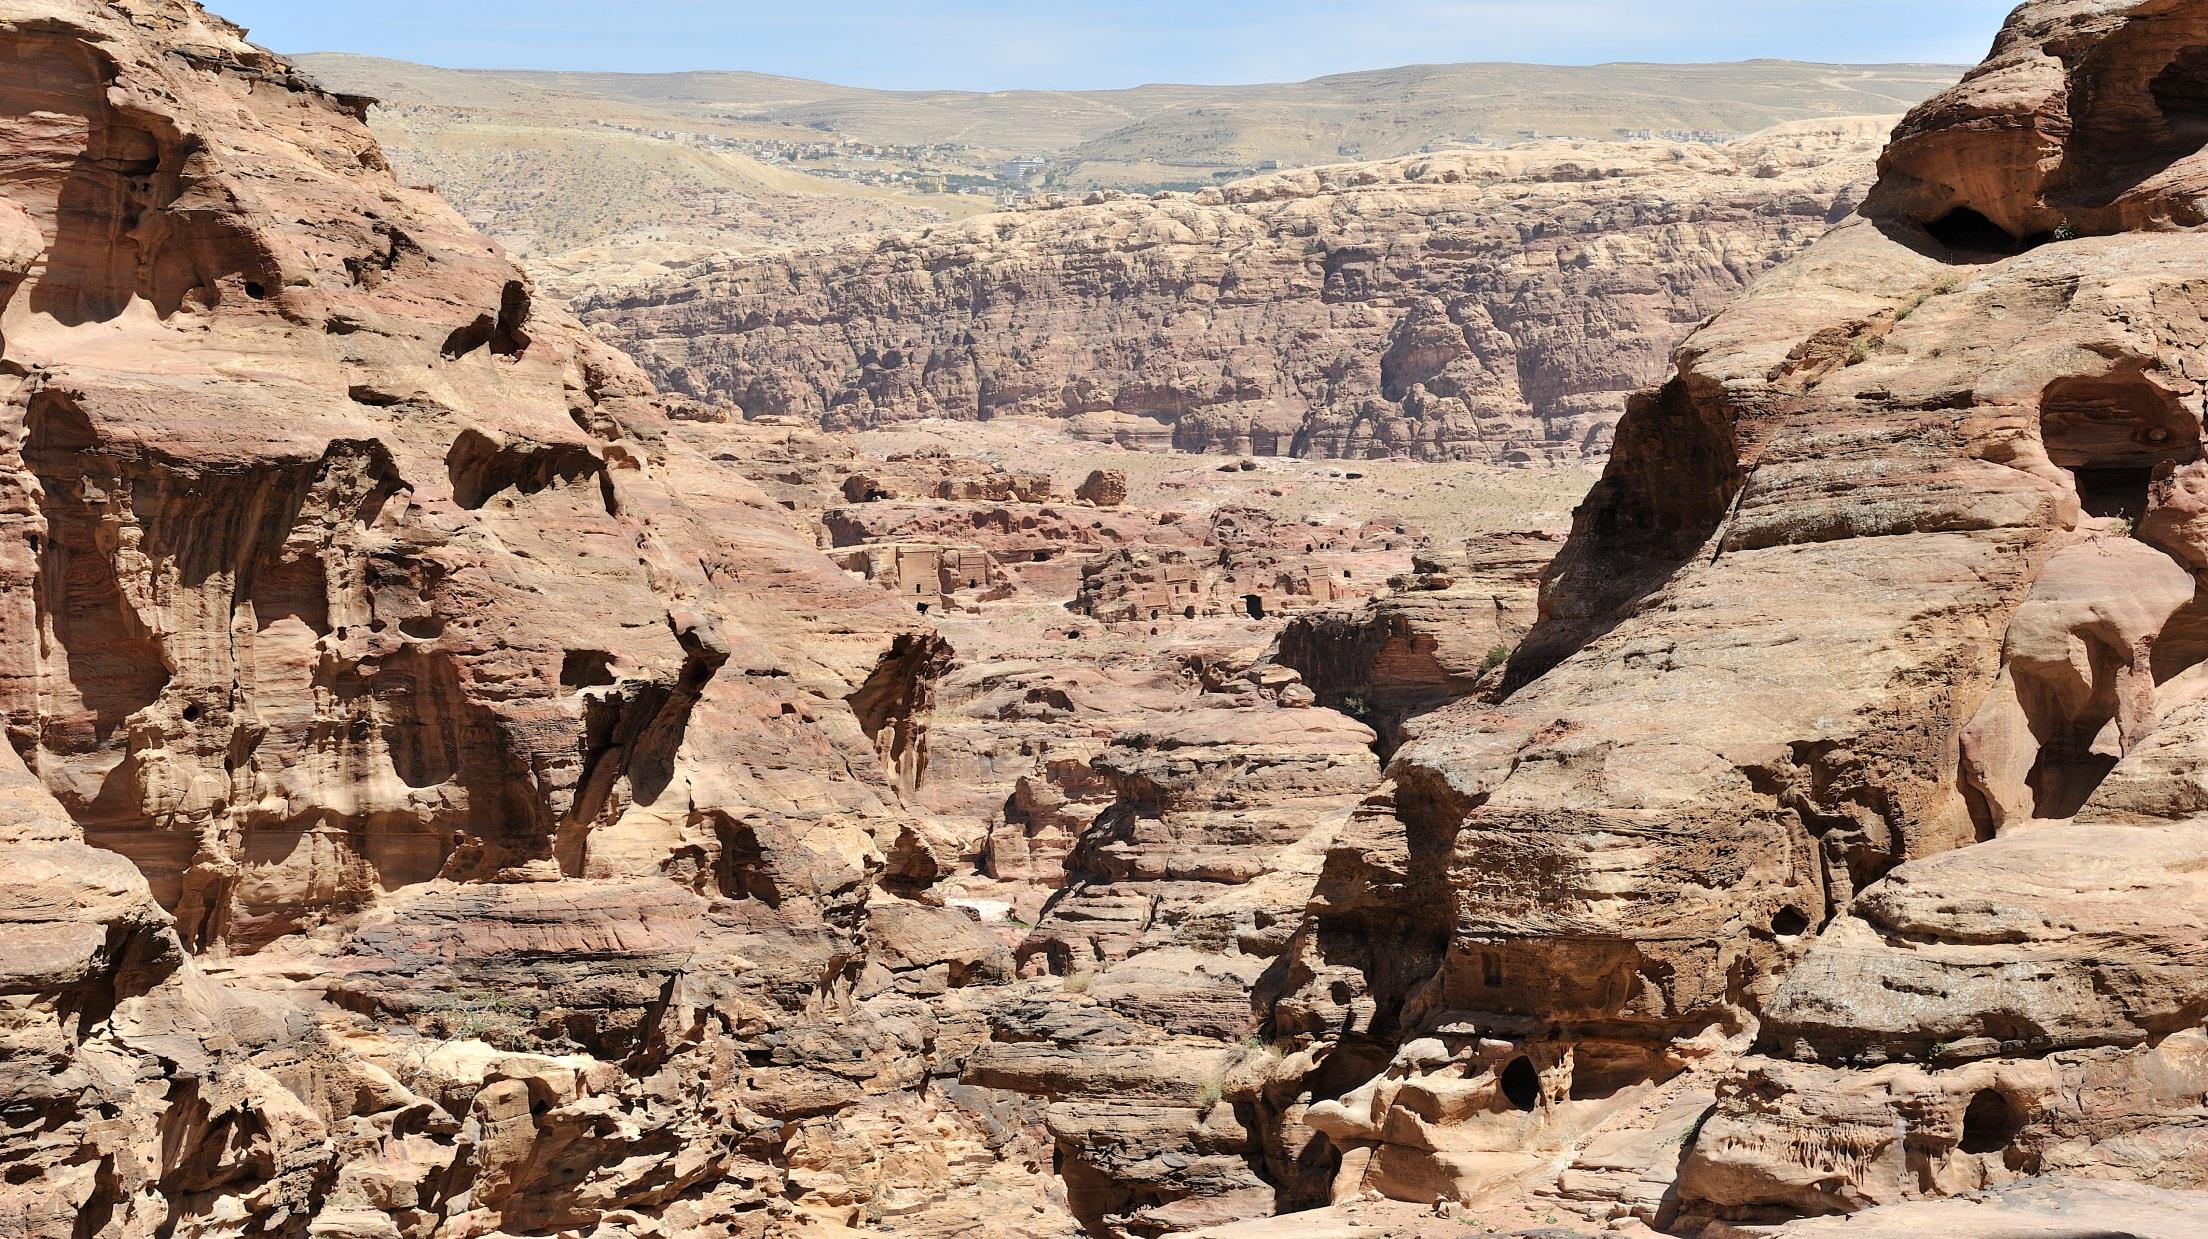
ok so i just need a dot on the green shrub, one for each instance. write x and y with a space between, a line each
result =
1694 1130
475 1014
1497 655
1254 1046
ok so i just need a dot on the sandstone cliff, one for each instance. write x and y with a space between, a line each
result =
440 797
1480 305
1828 844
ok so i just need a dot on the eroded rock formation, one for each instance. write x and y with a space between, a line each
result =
453 791
1431 639
1133 799
440 797
1481 305
1828 842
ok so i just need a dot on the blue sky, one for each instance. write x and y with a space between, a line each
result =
1007 44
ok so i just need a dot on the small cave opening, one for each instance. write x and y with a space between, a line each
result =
1790 922
1968 231
2115 434
1255 605
481 468
1991 1123
580 669
1603 1070
743 870
2121 491
2180 93
1521 1084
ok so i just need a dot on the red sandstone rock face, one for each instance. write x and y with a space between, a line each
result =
486 786
1835 823
1489 306
445 796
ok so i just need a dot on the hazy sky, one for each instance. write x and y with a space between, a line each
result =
1001 44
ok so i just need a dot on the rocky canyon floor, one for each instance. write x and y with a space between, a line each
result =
457 787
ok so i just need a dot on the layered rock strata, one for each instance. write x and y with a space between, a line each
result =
452 791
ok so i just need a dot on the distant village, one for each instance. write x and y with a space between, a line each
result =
1709 137
960 168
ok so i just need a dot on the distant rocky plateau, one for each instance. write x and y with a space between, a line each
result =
457 788
1492 306
600 181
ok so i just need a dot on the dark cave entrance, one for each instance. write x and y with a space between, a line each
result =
1521 1084
2120 491
2180 93
1254 605
1967 231
1991 1124
2066 776
581 669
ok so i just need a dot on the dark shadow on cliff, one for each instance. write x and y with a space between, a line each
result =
1671 481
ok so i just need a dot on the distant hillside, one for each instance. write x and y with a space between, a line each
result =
1404 111
599 180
